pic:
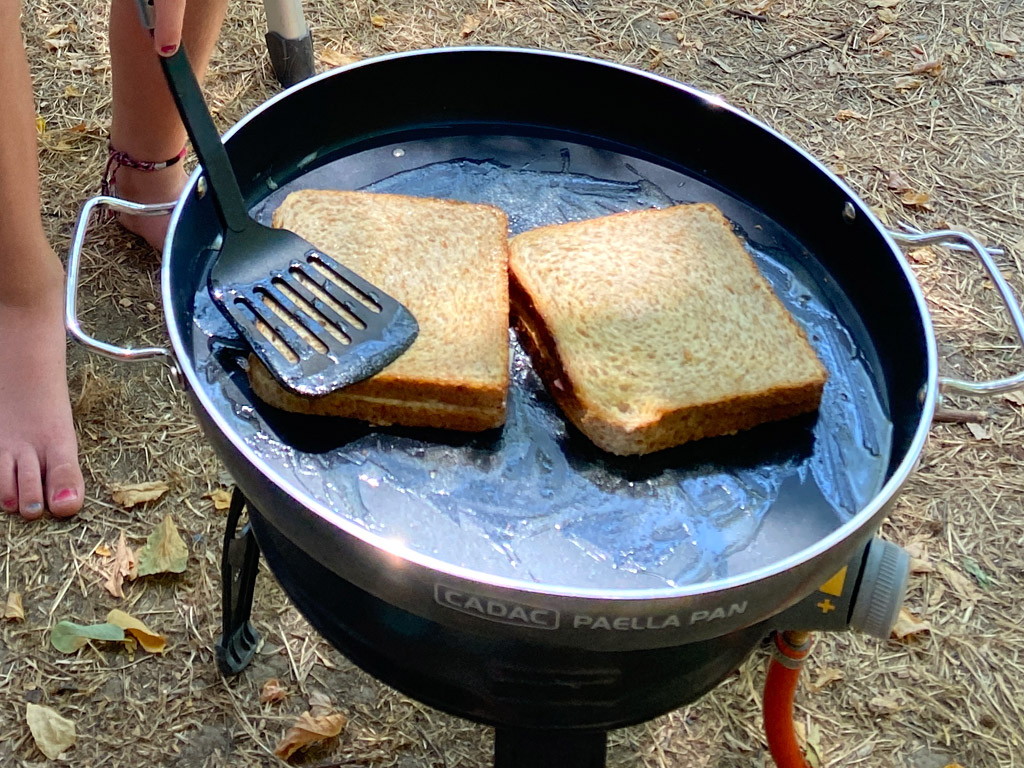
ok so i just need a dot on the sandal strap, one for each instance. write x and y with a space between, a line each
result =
116 159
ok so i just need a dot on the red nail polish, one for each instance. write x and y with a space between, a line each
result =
66 495
9 504
167 50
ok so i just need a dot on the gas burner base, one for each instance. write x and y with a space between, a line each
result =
550 705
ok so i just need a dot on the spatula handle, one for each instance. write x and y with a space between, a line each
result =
188 97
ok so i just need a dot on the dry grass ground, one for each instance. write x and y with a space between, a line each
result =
923 90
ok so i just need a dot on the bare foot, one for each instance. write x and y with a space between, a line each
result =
38 448
149 187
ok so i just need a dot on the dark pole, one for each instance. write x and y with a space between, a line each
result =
521 748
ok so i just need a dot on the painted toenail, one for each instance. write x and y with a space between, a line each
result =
67 494
35 506
167 50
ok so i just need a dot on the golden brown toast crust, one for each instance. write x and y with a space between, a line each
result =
437 257
667 427
380 411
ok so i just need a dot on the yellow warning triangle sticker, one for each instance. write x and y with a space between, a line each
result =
834 586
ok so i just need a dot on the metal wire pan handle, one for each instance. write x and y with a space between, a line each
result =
71 320
962 241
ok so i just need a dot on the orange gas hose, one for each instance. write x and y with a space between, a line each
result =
791 648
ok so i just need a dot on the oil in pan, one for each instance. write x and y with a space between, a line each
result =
535 500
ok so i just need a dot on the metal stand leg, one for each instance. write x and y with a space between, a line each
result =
516 748
239 564
289 41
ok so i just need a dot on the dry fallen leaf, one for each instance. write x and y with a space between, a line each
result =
52 733
906 83
812 745
320 704
760 7
921 565
136 493
883 3
932 67
809 738
1016 397
879 34
915 199
221 498
964 587
848 114
124 566
979 431
309 730
919 562
337 58
147 638
14 610
669 15
272 691
882 214
908 624
885 704
887 15
825 677
469 25
1001 49
921 256
896 182
835 67
102 550
1009 36
378 21
164 551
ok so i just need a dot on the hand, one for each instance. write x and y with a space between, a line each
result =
170 15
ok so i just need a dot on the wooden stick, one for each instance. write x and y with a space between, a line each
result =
806 49
958 416
1005 80
746 14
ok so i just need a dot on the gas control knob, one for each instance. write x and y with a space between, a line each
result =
883 587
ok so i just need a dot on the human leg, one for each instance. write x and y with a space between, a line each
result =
145 122
38 448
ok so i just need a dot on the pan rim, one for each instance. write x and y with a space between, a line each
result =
866 520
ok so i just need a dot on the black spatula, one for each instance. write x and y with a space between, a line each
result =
316 325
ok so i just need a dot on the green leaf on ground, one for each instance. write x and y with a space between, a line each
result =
68 637
972 567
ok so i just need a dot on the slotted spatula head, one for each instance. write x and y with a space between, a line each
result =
315 324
